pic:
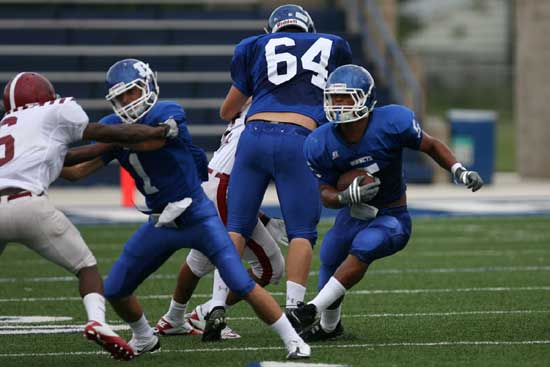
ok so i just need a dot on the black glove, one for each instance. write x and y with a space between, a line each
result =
356 193
471 179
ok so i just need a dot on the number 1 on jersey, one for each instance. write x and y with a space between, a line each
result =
136 164
322 46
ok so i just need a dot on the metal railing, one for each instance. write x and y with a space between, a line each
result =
385 53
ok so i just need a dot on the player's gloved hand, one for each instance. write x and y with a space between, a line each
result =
471 179
171 128
356 193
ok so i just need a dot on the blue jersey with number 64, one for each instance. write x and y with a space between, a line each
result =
287 71
168 174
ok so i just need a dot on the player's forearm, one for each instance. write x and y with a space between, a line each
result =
329 197
439 152
81 170
123 133
85 153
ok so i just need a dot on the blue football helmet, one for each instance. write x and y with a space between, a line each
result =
125 75
289 15
356 82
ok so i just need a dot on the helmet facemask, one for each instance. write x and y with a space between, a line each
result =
341 114
136 109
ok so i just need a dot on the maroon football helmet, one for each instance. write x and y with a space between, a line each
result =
27 88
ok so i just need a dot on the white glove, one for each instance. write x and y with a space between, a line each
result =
356 193
172 129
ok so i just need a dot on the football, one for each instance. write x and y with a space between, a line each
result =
347 178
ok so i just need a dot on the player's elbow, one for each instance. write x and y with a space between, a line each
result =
225 113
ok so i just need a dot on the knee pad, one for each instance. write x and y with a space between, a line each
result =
199 263
269 269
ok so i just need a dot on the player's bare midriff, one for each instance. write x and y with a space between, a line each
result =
290 117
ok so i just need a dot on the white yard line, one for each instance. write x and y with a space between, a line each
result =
325 346
489 269
117 323
358 292
422 314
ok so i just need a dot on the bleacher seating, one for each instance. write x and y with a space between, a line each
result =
77 39
189 46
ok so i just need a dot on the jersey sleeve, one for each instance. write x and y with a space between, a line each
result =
201 161
240 73
172 110
318 162
343 55
72 119
408 129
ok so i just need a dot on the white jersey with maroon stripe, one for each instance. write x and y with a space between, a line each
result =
224 157
34 141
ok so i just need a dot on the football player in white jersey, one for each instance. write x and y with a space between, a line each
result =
35 133
262 252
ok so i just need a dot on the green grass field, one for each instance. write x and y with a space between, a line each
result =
472 292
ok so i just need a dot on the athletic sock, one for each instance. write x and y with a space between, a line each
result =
285 329
219 292
141 328
176 312
294 293
330 318
95 307
331 292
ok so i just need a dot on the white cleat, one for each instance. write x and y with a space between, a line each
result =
166 328
228 333
298 349
197 318
140 346
277 230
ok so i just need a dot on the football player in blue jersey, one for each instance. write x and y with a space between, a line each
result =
181 216
285 71
373 221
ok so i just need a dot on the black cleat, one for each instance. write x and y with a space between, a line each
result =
316 332
302 316
215 323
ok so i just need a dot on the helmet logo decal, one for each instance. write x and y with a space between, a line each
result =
142 69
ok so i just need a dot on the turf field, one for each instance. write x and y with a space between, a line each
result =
472 292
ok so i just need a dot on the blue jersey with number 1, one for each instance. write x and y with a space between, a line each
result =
286 72
167 174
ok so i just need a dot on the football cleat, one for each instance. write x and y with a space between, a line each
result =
215 323
164 327
298 349
277 230
108 340
144 346
316 332
197 319
301 317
